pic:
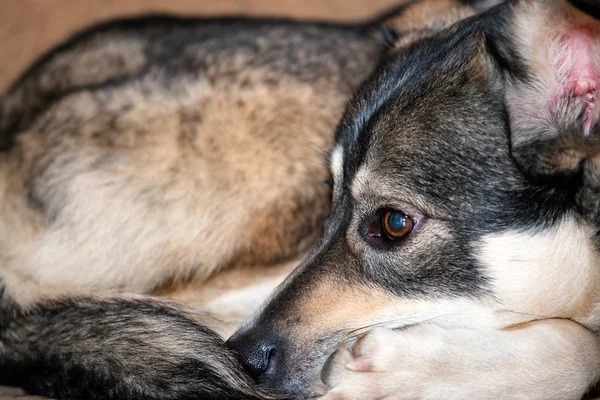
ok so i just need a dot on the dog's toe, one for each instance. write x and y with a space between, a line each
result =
349 373
335 364
384 364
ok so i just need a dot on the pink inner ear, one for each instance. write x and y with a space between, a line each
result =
577 59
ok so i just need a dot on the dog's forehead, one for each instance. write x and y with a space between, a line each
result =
431 127
425 146
404 105
438 139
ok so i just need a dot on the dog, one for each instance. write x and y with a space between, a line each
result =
460 247
464 223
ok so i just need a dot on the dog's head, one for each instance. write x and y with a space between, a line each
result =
465 192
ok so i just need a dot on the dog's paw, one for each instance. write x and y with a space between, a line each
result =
387 364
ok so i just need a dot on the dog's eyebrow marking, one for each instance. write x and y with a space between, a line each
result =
336 161
360 182
369 185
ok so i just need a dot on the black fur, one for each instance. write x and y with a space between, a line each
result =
118 349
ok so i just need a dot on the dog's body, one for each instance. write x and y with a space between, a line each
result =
145 154
150 154
161 149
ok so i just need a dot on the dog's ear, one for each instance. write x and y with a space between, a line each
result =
551 53
412 21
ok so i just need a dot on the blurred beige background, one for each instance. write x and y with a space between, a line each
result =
28 27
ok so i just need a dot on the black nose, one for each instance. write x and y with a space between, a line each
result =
256 352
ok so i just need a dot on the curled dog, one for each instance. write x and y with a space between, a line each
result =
463 206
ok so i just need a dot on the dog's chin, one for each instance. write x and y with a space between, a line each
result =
300 380
295 388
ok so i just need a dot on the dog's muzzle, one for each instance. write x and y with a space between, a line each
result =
259 353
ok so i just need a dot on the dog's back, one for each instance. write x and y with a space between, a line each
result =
159 150
165 149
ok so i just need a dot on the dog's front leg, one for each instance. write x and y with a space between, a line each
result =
549 359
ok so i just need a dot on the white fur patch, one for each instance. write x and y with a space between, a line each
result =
552 273
337 163
360 182
431 362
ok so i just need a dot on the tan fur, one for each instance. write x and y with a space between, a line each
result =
426 15
422 18
333 307
159 158
119 57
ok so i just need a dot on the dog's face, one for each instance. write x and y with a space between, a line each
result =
455 198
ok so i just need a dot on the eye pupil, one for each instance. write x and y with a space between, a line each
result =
396 224
397 221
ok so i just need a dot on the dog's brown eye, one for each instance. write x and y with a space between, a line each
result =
396 224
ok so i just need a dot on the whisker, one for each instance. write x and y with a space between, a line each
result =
314 146
315 162
536 316
415 320
390 322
